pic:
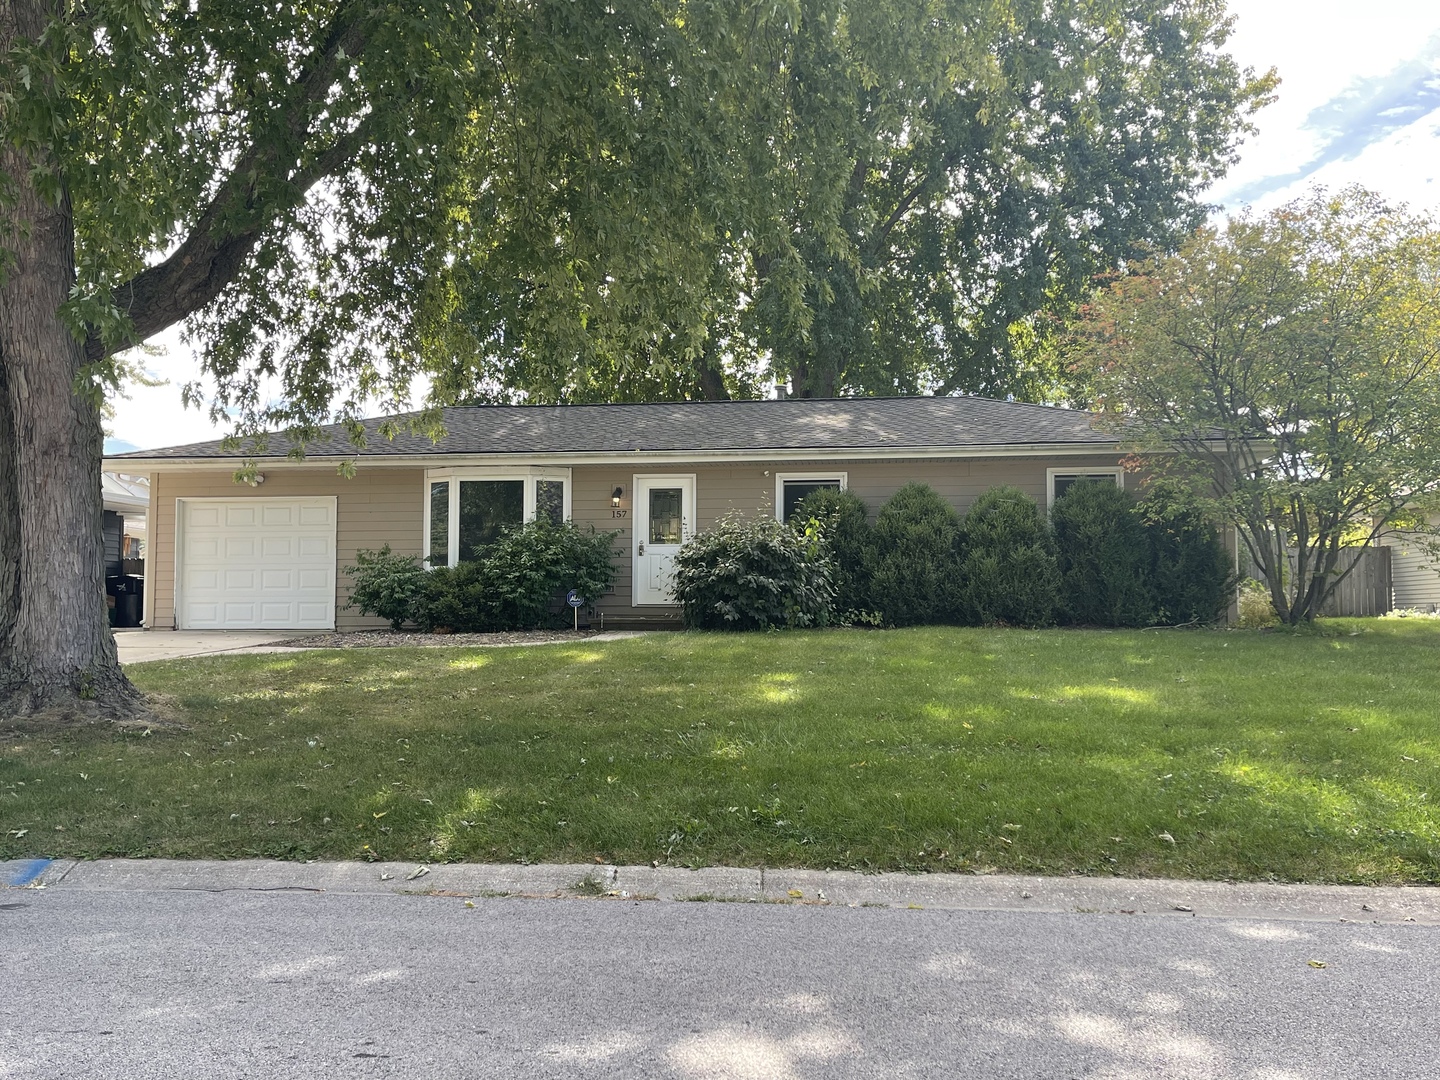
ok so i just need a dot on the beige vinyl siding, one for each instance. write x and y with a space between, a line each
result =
1415 574
377 506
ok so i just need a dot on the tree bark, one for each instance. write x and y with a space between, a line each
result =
58 654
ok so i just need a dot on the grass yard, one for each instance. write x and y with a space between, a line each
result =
1187 754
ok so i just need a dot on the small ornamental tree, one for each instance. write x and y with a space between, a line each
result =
911 559
1104 556
754 573
1283 372
1009 573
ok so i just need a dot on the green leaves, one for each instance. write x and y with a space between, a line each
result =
1293 361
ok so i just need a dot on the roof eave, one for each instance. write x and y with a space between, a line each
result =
626 457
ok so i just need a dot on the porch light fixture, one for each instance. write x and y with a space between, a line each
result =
616 496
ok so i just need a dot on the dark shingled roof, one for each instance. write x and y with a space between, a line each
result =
791 424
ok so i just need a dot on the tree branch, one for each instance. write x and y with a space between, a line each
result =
232 223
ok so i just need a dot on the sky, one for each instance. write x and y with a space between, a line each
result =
1359 103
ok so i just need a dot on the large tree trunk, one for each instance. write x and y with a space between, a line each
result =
57 654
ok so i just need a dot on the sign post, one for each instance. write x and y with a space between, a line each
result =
576 602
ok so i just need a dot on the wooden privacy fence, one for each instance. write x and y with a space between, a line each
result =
1366 590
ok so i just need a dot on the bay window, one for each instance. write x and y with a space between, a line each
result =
468 509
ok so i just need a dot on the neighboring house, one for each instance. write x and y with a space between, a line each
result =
1414 572
126 500
222 555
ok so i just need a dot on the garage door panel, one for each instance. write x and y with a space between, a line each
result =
239 580
283 580
314 579
238 612
258 564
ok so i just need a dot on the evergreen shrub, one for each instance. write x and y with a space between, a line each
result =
911 559
1009 573
1104 557
844 522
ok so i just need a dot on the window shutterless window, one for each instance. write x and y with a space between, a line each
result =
466 510
791 489
1060 480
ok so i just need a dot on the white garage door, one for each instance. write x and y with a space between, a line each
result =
257 564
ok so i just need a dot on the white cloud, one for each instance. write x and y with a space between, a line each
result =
1330 53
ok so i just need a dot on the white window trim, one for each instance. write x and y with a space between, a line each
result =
781 477
528 474
1102 470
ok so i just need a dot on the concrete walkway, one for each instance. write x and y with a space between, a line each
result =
138 646
843 888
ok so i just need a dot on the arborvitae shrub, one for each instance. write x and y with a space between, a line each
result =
752 574
911 559
1103 549
1192 574
1009 573
844 521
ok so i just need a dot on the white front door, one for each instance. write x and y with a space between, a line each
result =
256 564
664 519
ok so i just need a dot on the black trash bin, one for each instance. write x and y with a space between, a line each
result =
129 593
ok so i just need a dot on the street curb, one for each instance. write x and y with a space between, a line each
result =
837 888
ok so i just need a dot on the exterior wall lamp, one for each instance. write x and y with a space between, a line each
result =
616 496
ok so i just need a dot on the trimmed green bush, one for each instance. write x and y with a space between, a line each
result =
844 521
1104 556
386 584
1009 573
911 559
1192 574
515 585
754 574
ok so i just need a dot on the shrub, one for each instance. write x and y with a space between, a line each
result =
516 582
844 522
1257 610
752 574
1192 574
1103 551
386 584
911 558
1009 573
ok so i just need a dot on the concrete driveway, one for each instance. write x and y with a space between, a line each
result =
137 646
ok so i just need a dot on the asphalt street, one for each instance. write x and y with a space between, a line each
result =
142 983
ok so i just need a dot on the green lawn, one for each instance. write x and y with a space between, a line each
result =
1309 758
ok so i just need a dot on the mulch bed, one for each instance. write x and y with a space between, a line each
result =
386 639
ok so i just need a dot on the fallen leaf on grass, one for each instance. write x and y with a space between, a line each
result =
17 833
1166 837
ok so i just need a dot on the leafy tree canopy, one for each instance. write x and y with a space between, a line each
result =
1283 374
899 196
